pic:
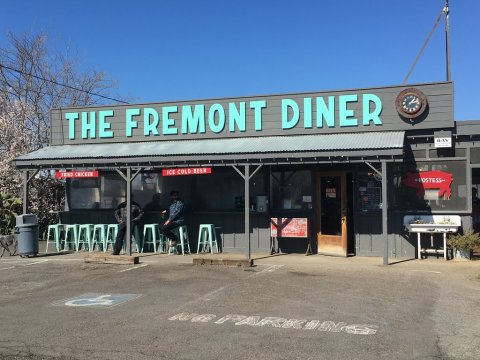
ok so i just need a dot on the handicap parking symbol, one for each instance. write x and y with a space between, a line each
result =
95 300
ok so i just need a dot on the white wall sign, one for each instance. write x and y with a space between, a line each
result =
443 142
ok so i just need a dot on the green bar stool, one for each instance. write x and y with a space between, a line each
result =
71 236
54 230
163 244
207 236
100 236
85 236
112 231
151 234
182 233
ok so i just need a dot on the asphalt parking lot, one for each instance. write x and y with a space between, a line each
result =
286 307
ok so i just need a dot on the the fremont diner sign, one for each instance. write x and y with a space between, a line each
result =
231 117
343 111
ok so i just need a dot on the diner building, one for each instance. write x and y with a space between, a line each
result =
352 163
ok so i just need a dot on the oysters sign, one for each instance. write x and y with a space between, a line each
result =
434 179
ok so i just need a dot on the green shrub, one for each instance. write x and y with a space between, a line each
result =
469 240
9 208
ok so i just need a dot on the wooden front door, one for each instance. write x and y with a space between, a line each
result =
331 211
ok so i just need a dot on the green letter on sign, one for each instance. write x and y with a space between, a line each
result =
104 126
88 127
257 107
236 116
286 122
71 117
346 115
374 115
216 108
193 122
167 128
130 123
150 127
307 113
325 112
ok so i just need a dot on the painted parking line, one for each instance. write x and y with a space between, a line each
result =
428 271
36 262
19 264
212 294
135 267
270 269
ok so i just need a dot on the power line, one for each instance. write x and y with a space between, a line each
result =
444 11
51 93
60 84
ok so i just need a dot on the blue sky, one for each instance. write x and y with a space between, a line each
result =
179 50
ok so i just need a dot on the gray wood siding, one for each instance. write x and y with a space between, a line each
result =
440 115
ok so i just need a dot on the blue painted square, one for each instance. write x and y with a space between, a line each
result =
97 300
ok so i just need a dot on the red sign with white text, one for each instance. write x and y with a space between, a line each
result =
76 174
433 179
187 171
289 227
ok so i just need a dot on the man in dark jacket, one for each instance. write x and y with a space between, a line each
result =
175 217
121 216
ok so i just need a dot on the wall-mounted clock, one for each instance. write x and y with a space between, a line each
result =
411 103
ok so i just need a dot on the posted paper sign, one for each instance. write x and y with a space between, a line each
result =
289 227
443 142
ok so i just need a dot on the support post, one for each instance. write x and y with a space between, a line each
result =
247 211
246 177
128 235
384 213
26 180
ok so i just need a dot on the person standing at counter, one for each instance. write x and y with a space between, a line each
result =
175 217
121 216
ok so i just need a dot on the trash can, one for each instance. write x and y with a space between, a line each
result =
26 230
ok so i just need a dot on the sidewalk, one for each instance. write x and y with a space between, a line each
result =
301 262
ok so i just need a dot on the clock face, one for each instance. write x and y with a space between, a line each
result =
411 103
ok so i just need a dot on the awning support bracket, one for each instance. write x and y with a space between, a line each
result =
379 173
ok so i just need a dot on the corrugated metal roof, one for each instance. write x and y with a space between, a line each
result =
225 146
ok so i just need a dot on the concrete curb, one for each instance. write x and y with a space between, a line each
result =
224 262
111 259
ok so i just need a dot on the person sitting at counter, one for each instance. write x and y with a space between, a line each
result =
175 217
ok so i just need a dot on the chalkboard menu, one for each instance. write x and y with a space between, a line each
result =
370 194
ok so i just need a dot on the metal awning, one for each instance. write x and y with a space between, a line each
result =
266 149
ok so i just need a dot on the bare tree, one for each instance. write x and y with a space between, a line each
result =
34 79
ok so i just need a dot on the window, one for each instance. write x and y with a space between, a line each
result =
430 186
369 195
113 190
292 190
84 193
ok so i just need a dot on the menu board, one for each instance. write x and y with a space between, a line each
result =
289 227
370 195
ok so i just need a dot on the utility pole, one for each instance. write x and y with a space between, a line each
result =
446 11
